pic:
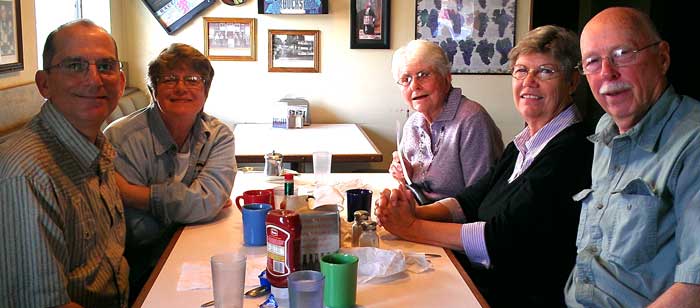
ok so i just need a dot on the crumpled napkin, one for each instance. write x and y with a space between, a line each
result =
326 194
197 275
335 193
382 263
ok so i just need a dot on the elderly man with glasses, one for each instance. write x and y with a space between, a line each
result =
177 163
638 238
62 225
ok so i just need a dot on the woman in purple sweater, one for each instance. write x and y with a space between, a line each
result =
450 141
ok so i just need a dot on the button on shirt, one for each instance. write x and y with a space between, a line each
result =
639 226
62 228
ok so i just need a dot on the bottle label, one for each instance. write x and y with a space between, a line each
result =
278 255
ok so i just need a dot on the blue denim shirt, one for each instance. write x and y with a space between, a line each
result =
147 155
639 230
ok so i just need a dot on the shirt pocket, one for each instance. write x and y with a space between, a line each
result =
585 197
635 212
84 228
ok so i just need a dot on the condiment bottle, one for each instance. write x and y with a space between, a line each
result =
369 237
360 216
288 184
283 230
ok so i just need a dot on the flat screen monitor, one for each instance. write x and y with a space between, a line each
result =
298 7
173 14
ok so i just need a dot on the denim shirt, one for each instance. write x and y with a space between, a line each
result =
639 230
147 156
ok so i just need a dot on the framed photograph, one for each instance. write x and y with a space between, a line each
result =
294 7
476 35
369 24
173 14
293 51
10 36
230 39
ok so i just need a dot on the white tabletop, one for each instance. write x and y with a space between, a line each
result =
347 142
440 287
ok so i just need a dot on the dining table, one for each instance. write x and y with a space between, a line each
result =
348 142
444 284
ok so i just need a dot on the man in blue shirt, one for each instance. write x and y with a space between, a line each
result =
638 240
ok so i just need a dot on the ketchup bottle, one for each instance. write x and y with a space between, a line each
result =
283 230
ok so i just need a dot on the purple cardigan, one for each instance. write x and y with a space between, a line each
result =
455 150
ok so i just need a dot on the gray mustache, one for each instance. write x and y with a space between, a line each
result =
612 87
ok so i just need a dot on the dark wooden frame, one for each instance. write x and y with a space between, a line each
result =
479 48
261 8
253 38
271 51
18 63
383 39
183 20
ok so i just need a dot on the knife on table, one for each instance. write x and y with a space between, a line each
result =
414 188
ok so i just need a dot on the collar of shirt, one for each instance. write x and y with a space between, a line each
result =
449 110
647 132
162 140
530 146
86 153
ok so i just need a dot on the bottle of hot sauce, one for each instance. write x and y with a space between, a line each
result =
283 230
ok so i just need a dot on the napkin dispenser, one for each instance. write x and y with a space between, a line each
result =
287 110
320 235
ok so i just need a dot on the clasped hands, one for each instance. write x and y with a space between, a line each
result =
396 211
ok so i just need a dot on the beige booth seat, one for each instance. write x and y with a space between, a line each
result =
19 104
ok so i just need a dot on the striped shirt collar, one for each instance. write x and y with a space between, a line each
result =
85 152
530 146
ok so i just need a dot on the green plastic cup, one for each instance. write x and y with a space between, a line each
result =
340 289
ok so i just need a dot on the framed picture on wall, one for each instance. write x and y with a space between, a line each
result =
173 14
369 24
230 39
294 7
293 51
10 36
476 35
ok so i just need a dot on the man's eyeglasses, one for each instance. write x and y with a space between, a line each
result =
171 81
542 72
80 66
406 80
618 57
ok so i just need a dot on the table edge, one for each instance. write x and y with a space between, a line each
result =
480 298
159 266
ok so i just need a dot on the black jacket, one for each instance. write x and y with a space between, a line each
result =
531 223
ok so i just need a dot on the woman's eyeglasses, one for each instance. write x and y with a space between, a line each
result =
171 81
542 72
406 80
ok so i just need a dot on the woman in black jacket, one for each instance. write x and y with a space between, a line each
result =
517 225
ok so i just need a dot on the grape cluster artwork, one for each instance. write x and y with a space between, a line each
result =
476 34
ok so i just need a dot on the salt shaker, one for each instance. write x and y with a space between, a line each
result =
360 217
369 237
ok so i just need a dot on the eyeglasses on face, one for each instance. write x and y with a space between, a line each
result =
619 57
406 80
80 66
171 81
542 72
